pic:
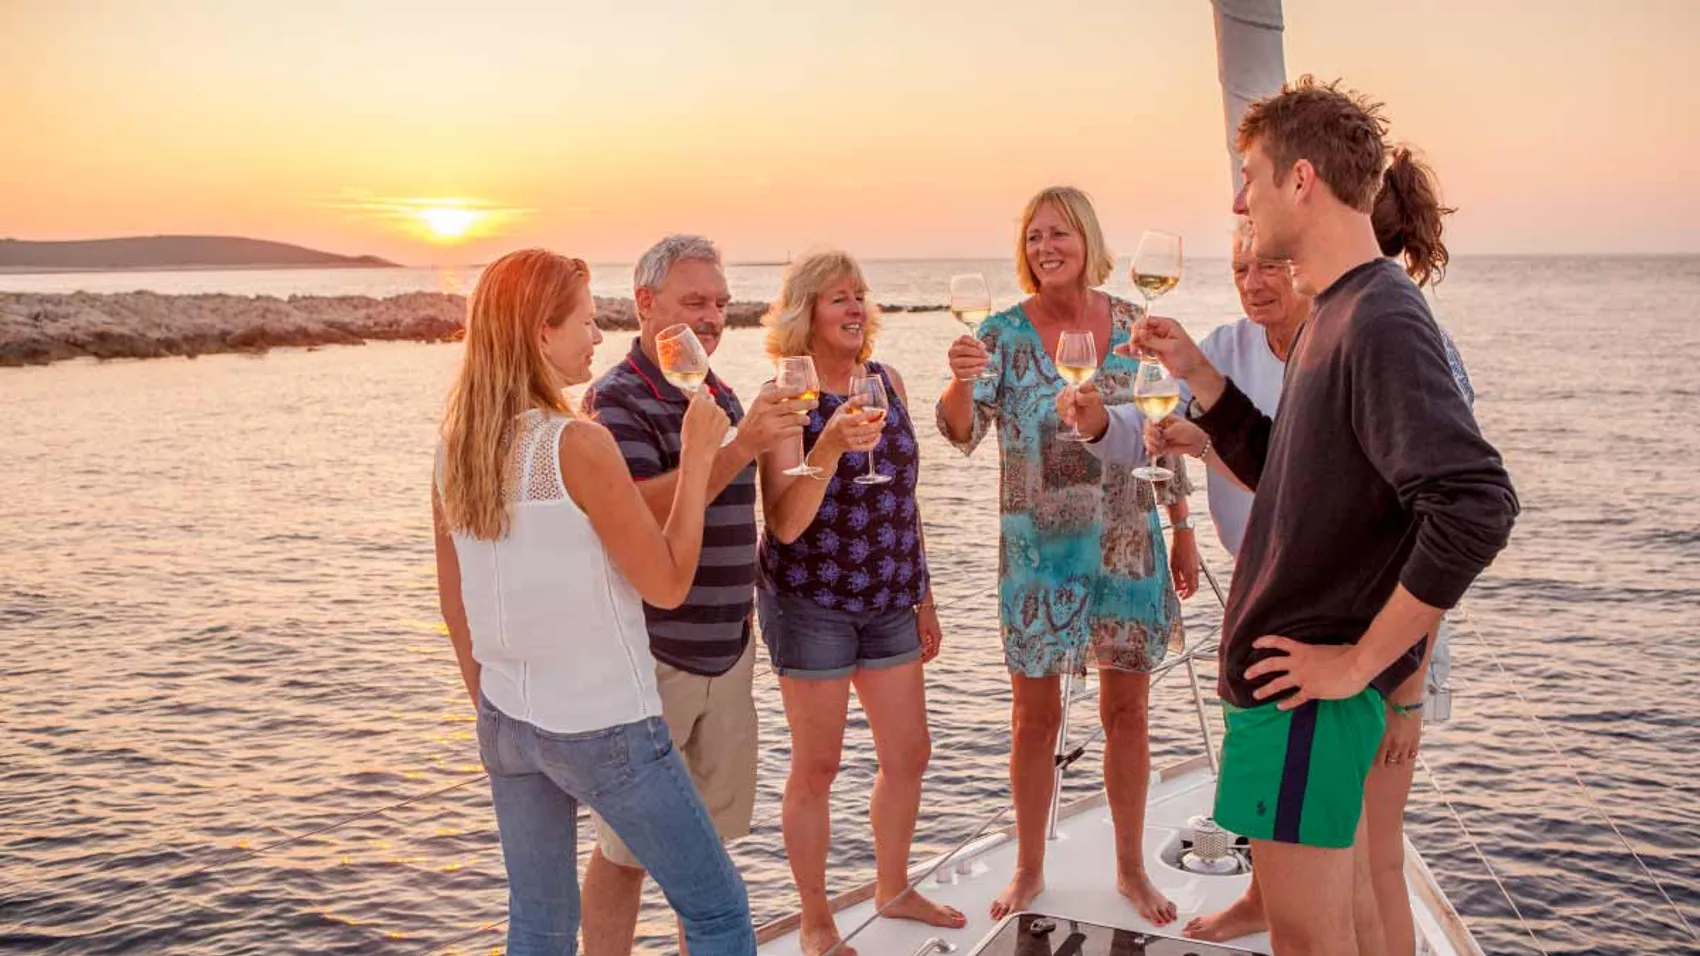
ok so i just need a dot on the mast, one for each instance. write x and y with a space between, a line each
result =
1250 62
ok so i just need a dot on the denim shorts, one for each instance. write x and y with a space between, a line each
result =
807 641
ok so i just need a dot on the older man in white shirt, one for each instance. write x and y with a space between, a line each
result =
1252 352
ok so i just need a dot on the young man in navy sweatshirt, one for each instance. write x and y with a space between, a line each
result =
1378 502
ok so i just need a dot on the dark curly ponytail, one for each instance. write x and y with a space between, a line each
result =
1407 217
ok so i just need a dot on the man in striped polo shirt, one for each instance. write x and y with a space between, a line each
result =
703 652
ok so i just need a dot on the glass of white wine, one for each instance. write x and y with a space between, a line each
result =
871 391
1077 362
684 364
970 303
797 374
1157 393
1156 267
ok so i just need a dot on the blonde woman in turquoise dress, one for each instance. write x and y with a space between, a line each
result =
1084 577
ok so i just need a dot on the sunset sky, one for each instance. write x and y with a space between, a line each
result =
893 129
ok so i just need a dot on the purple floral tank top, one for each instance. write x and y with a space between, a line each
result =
863 550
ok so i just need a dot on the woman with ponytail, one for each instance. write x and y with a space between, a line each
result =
1407 217
1408 225
545 553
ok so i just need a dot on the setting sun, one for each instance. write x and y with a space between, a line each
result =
448 222
441 220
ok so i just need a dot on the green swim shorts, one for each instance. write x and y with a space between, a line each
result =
1297 776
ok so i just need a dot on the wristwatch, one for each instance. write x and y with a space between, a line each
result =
1182 524
1193 409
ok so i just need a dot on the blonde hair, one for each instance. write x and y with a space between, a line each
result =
503 373
790 318
1076 208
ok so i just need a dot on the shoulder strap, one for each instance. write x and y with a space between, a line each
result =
891 391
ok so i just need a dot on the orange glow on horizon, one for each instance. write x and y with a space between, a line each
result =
439 220
448 223
450 139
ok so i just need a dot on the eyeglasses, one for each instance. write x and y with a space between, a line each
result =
1272 270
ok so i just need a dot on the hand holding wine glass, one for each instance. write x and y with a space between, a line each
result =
774 418
684 364
870 391
1175 436
1156 393
970 303
1077 363
797 376
969 360
1083 407
1156 266
703 430
1162 339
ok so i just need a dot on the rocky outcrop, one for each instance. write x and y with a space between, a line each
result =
45 328
38 329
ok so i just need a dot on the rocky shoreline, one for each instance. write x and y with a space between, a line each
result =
38 329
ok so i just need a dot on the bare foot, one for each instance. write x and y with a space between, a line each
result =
816 940
1242 918
1153 906
1023 888
914 906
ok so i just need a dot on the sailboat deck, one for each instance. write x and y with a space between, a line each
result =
1081 885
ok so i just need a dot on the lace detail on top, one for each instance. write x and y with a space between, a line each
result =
536 460
557 631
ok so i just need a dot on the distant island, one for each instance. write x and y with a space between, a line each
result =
171 252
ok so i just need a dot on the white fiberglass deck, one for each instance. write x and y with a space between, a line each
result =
1080 883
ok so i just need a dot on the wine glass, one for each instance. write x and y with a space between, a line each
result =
871 391
1077 362
1157 393
684 364
970 303
1156 268
797 374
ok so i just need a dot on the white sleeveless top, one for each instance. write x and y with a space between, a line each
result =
559 632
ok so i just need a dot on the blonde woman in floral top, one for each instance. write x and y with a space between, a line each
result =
1084 574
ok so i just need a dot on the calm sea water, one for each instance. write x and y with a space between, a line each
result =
216 587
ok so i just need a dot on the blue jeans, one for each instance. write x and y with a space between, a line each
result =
634 779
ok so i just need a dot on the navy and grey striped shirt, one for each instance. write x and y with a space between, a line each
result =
706 635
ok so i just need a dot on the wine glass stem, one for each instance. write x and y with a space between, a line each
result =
1143 352
871 472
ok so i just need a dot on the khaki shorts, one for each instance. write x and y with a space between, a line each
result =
713 722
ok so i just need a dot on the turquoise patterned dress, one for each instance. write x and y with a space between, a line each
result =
1083 570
